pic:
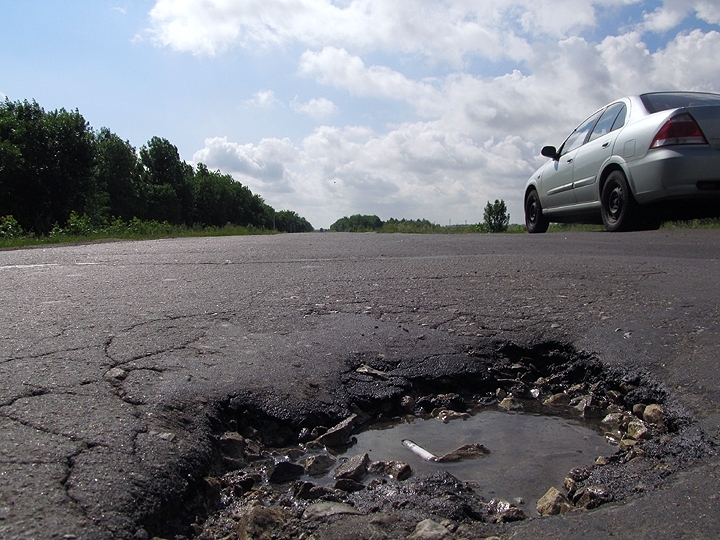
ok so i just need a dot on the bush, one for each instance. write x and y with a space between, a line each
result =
79 225
495 217
10 228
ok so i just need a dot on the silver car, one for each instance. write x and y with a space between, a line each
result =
633 163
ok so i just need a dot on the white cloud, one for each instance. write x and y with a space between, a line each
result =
686 63
707 10
481 137
265 99
315 108
336 67
667 17
469 137
415 170
448 30
673 12
262 165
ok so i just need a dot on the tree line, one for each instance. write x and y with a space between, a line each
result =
54 165
495 219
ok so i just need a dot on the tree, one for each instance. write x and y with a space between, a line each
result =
495 217
289 221
165 182
117 176
46 164
357 223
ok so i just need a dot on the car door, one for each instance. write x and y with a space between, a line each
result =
590 157
557 180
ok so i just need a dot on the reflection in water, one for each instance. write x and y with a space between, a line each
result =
528 452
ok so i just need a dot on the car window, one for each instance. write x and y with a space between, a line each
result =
620 120
608 121
663 101
577 137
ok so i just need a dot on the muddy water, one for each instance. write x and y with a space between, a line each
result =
528 452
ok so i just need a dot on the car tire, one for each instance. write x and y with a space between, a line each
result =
535 221
618 207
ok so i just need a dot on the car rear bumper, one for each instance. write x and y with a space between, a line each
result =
681 172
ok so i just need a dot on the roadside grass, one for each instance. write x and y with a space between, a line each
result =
135 229
411 228
574 227
80 231
706 223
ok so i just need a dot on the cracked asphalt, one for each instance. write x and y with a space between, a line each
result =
112 354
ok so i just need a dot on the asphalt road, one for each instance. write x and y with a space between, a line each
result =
111 353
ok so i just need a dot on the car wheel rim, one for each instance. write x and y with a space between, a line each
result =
615 203
533 211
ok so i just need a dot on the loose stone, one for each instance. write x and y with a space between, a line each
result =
445 415
339 435
638 409
553 503
116 374
326 509
428 529
466 451
590 407
285 471
557 399
570 485
309 491
408 403
613 419
591 497
348 485
232 444
638 430
398 470
510 404
319 464
654 414
355 468
259 519
627 444
372 371
511 514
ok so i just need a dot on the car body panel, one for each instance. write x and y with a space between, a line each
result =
570 185
557 183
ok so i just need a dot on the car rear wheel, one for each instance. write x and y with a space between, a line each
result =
618 207
535 221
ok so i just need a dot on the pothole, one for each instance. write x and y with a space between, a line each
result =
526 433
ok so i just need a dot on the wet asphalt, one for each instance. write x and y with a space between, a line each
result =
112 354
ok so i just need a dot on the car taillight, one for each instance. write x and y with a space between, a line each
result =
681 129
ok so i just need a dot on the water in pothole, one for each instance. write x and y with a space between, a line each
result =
528 452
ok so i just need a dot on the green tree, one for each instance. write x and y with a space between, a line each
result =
289 221
357 223
166 183
46 164
117 176
495 217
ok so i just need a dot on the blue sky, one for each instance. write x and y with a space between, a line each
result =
406 109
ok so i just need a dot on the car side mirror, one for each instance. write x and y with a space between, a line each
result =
550 152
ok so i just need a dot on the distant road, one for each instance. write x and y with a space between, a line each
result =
111 352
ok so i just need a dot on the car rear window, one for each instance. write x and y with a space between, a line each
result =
664 101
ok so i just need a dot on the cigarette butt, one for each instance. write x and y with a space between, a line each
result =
419 450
